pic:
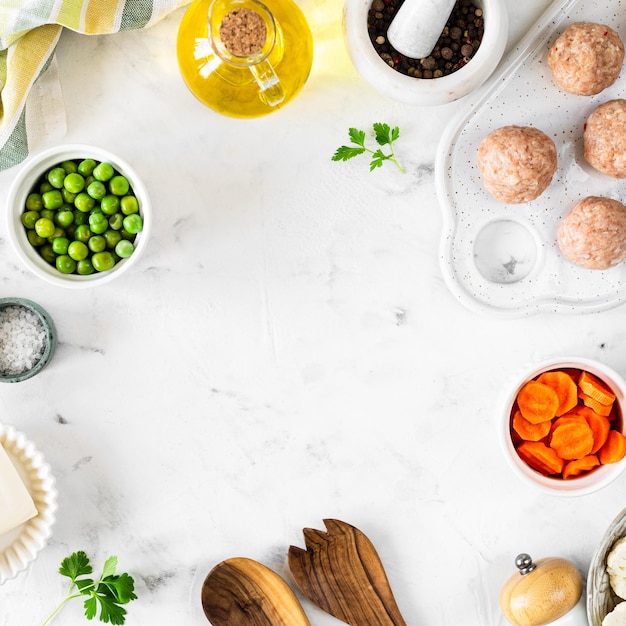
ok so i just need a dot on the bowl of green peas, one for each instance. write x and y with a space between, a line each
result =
78 215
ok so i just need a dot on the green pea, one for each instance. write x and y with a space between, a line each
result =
34 202
80 217
96 190
69 166
126 235
103 261
45 186
103 172
112 237
98 223
58 232
60 245
110 204
34 239
129 205
86 166
84 202
48 254
68 196
82 233
74 182
29 218
77 250
133 224
65 264
119 185
97 243
84 267
56 176
52 199
124 248
44 227
49 213
64 218
116 221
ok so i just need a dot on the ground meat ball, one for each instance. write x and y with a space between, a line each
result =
586 58
604 138
517 163
593 234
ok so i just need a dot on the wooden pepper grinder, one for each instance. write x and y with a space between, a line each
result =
542 592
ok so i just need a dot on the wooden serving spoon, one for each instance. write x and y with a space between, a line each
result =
243 592
341 572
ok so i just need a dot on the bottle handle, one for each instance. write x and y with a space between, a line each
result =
271 90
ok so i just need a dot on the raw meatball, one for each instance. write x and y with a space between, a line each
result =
517 163
593 233
617 617
616 567
604 138
586 58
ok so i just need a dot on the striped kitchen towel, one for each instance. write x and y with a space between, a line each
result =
29 32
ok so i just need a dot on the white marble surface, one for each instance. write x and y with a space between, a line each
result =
286 351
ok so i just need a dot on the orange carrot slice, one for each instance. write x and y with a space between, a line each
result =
614 449
565 388
529 431
537 402
540 457
600 427
592 403
594 387
572 440
580 466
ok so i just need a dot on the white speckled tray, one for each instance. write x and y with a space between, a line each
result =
500 259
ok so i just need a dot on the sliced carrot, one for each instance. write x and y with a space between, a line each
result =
529 431
572 440
565 388
600 427
537 402
592 403
594 387
540 457
580 466
614 449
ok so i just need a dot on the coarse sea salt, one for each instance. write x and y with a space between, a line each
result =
22 339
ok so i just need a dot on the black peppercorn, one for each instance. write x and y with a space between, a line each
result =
459 40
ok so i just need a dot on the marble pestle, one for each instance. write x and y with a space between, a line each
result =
417 26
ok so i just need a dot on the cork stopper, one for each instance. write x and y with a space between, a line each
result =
243 32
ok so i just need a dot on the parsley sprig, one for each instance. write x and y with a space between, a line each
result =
109 592
385 136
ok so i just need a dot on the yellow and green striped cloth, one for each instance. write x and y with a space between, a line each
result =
29 32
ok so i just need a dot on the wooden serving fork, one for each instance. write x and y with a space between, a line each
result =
341 572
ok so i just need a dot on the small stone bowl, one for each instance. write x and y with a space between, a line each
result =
29 174
425 91
50 341
587 483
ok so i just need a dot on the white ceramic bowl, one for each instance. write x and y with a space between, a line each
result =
29 174
19 547
425 91
589 482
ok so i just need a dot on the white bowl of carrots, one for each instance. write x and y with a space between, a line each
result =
563 427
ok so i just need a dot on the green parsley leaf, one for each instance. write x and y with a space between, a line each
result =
108 593
343 153
384 135
77 564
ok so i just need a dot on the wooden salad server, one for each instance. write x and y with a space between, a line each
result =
341 572
243 592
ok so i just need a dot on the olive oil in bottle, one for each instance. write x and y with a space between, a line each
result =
244 58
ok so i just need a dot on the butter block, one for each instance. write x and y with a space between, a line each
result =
16 504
